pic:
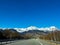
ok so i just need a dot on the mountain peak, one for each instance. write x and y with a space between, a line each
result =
52 28
31 28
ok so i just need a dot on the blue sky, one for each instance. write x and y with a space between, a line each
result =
24 13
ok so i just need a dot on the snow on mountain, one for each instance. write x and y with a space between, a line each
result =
52 28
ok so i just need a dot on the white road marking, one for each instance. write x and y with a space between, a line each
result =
39 42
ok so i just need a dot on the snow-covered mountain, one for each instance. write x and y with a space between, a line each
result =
52 28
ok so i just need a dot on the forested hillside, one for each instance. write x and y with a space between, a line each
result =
54 36
12 34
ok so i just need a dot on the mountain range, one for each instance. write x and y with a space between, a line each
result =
52 28
32 30
28 32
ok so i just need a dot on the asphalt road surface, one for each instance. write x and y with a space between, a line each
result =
30 42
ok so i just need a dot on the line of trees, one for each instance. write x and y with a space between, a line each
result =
54 36
8 34
11 34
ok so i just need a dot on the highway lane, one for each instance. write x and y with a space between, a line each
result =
26 42
30 42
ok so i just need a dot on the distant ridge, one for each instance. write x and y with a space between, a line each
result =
51 28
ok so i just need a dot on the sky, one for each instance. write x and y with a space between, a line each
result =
24 13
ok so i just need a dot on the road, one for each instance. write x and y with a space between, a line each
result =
30 42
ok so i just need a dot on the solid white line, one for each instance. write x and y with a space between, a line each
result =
39 42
